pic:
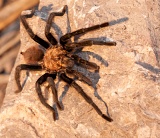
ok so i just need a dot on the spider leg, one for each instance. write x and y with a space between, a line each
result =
40 81
23 67
85 63
81 44
84 95
50 80
35 37
48 34
80 76
64 38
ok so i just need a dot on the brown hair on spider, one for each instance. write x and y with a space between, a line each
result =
33 55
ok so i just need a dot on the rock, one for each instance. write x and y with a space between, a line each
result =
127 82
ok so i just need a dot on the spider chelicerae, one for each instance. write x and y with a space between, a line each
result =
58 60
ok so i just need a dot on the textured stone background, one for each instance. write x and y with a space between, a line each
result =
129 85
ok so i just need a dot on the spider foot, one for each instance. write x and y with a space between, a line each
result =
107 118
55 117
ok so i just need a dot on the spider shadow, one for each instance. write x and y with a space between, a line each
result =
44 12
93 76
155 72
26 78
46 96
97 76
148 67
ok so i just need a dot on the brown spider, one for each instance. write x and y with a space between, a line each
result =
59 60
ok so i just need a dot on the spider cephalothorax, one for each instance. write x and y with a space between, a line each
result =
58 60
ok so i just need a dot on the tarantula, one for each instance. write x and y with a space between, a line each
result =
59 59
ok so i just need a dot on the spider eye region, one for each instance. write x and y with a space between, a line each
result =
33 55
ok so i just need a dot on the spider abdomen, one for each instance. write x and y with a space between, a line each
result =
56 58
33 55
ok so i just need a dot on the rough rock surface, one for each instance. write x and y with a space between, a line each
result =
128 80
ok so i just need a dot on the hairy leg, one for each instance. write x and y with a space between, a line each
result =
66 37
18 71
80 76
39 82
35 37
76 45
50 80
48 34
85 63
84 95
